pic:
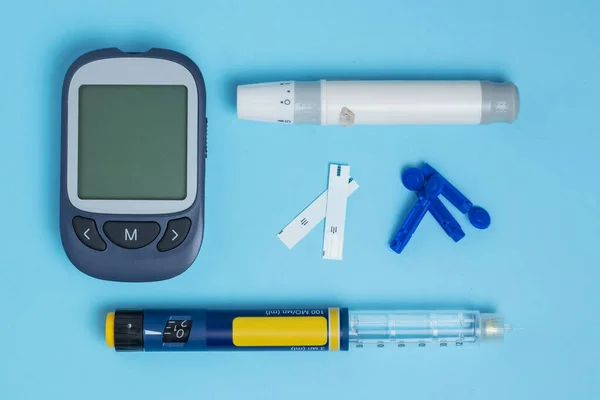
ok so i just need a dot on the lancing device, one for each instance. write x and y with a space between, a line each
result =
379 102
302 329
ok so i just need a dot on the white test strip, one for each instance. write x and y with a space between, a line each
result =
335 215
310 217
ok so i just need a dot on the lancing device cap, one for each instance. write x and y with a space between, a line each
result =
499 102
264 102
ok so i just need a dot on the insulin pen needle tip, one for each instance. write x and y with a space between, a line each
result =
509 327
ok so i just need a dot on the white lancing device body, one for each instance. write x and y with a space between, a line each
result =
379 102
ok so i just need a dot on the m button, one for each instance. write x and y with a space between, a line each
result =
131 235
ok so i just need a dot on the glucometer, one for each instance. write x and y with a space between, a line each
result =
133 164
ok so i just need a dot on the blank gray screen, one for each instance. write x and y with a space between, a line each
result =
132 142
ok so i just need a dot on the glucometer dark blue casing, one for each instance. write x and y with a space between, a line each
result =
103 245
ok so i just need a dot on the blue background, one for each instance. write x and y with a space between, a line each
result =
537 264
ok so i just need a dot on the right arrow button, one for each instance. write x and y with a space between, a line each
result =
176 232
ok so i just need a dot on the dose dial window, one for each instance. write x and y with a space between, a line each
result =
132 142
177 331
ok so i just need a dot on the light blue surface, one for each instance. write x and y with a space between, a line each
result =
537 263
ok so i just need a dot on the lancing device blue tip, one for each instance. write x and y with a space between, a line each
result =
451 193
416 214
414 179
448 223
410 224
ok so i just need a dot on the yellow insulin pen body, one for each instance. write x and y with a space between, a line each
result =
303 329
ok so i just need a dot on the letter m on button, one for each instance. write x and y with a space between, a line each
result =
132 237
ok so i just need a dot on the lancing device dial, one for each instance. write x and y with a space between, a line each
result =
268 102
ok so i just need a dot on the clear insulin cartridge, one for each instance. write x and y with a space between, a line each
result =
309 329
379 102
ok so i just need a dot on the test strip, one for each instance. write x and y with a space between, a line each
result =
335 215
310 217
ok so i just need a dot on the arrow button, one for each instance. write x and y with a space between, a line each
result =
86 231
176 232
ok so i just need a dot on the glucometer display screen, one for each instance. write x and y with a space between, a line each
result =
132 142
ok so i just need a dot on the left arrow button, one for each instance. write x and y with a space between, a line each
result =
86 231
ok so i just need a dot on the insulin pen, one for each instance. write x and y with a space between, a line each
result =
379 102
306 329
